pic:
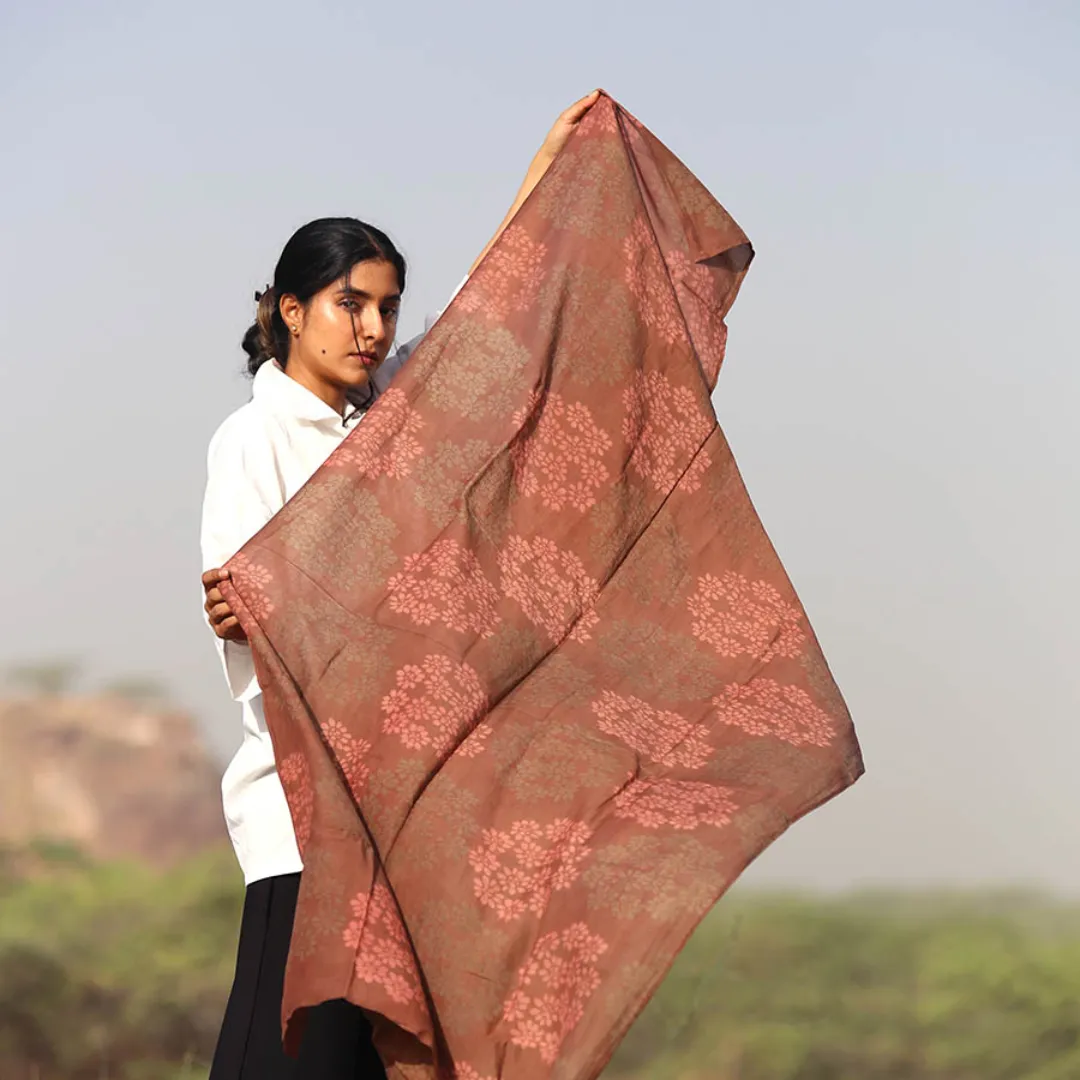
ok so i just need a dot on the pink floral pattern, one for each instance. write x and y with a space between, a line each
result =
680 804
766 707
694 287
553 987
434 704
666 427
740 617
475 740
254 580
517 870
690 480
583 628
295 776
508 279
562 460
649 284
385 441
351 753
599 121
384 956
659 735
550 585
445 584
464 1071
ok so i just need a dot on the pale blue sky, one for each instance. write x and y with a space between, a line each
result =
901 383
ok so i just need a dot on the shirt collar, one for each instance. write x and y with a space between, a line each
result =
274 389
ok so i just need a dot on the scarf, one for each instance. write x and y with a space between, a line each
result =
538 686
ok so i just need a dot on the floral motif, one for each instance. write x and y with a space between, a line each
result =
666 428
295 778
690 480
740 617
664 737
252 579
384 956
694 286
681 804
648 281
553 987
483 383
517 870
351 754
600 118
766 707
445 584
509 277
434 703
584 626
464 1071
473 743
384 442
561 461
551 585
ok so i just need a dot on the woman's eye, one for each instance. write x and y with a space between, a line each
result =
390 313
350 305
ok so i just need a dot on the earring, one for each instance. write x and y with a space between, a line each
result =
295 329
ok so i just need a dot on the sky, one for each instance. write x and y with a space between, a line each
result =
900 389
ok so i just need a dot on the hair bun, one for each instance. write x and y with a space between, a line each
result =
262 341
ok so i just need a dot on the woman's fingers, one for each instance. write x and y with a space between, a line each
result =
230 630
212 577
219 613
559 135
215 605
580 108
222 620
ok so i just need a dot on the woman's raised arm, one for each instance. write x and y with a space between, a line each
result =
555 141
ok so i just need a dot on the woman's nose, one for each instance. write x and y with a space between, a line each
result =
372 323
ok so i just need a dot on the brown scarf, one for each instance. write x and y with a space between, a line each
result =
538 685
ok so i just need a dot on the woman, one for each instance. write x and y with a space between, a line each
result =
320 353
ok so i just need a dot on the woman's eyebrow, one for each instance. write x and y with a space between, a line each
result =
360 294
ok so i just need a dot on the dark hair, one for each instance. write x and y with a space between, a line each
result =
316 255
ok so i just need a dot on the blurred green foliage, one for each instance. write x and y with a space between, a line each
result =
115 972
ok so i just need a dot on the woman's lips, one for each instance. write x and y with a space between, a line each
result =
367 359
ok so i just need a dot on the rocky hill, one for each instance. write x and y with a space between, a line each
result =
113 777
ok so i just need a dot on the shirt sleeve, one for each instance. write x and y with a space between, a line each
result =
396 360
242 494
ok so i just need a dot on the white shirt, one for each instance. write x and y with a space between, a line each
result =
258 459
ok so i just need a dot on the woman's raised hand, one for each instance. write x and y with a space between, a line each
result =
222 620
563 128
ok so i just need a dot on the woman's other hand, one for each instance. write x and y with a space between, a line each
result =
222 620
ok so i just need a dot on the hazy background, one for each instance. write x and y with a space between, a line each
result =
901 383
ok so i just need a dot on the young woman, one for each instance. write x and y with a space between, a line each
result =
319 352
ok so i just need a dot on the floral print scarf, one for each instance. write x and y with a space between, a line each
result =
538 686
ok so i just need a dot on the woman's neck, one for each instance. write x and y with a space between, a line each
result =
334 396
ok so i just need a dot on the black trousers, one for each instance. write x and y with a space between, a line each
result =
337 1039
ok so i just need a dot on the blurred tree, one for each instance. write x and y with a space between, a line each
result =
141 689
45 677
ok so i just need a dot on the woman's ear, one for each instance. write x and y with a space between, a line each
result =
292 311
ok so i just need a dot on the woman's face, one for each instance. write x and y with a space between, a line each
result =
344 332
